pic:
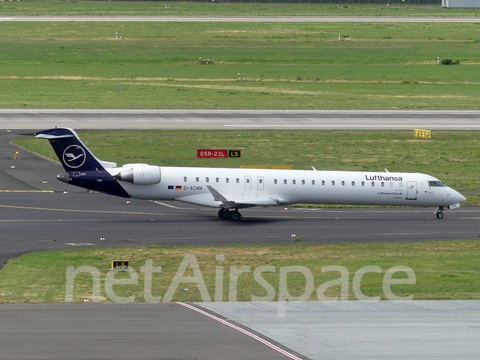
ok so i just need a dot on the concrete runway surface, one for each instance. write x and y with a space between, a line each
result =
277 19
440 330
240 119
35 216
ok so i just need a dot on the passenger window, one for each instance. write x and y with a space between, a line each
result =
294 181
363 183
260 181
248 181
323 182
383 184
238 181
197 179
217 179
207 179
303 182
275 181
333 182
373 183
284 181
353 183
343 183
185 179
313 182
227 180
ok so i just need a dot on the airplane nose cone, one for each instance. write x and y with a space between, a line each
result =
462 198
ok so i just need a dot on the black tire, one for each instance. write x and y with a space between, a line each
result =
440 215
223 214
235 216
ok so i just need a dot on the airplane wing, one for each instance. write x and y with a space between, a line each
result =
241 203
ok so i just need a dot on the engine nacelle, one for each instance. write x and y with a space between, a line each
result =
141 175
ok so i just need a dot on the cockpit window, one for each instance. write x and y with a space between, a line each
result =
436 184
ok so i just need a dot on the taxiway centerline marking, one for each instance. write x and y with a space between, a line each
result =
26 191
167 205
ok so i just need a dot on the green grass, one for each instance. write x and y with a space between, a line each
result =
151 8
287 66
444 270
451 156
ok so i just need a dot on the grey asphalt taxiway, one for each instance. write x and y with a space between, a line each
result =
36 214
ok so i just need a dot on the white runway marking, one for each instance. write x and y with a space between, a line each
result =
248 333
80 244
249 19
359 126
168 205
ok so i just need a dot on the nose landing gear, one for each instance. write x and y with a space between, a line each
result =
439 212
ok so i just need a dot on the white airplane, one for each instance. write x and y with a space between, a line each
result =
232 189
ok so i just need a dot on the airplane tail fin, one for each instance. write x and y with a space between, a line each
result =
72 152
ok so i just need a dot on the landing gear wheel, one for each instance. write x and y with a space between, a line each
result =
235 215
440 215
223 214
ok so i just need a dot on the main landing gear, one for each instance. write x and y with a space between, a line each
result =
225 214
439 212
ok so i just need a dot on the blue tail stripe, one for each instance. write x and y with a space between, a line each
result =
83 168
71 151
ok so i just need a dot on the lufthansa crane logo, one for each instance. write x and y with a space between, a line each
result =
74 156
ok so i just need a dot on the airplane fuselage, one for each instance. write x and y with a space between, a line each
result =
233 189
288 186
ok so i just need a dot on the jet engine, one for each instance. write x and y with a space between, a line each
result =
141 175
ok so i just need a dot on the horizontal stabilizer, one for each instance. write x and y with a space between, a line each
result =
108 164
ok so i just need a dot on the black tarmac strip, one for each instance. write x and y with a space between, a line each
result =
121 331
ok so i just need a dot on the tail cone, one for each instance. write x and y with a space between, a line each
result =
64 177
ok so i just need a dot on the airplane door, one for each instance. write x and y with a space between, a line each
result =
260 183
412 190
248 183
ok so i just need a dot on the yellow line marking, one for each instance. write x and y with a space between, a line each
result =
46 220
26 191
92 211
